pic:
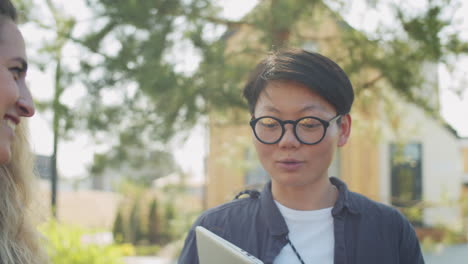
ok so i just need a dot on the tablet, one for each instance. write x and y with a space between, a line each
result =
213 249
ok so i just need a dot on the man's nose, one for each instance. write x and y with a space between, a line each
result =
289 138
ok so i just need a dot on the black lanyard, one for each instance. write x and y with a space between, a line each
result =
295 251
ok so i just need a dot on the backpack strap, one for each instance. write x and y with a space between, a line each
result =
252 194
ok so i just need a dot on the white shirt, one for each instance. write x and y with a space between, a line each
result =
311 233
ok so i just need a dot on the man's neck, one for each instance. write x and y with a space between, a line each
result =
314 196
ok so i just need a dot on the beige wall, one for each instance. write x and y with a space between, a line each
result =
465 159
84 208
360 167
229 141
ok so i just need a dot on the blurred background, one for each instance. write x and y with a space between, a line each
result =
140 123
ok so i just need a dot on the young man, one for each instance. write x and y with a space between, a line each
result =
300 104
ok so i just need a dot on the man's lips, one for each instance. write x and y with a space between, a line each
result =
289 161
290 164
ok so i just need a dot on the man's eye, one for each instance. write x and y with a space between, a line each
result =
269 123
309 123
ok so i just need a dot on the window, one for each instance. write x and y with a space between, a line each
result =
406 174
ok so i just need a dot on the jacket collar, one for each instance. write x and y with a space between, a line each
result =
345 199
271 214
275 221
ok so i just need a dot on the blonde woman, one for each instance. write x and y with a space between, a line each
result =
19 241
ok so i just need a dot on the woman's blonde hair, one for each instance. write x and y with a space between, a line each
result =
19 239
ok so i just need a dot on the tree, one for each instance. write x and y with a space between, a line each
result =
169 216
61 27
24 7
135 225
154 223
118 229
153 94
139 95
173 101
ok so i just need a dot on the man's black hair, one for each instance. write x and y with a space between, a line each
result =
317 72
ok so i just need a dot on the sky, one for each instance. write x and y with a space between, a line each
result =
76 154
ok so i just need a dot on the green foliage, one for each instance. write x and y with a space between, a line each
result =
154 225
52 50
118 229
275 19
137 217
425 29
24 9
159 100
135 224
169 216
439 236
65 246
147 250
159 219
141 60
413 213
179 213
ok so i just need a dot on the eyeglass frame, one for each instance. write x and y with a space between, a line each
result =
325 124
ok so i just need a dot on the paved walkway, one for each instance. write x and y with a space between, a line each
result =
457 254
147 260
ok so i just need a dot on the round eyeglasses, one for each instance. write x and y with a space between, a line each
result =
309 130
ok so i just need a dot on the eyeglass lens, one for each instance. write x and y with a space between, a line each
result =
308 130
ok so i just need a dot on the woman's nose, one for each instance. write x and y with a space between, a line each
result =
25 104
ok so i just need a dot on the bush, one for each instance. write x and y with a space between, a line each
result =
137 233
65 246
169 216
118 230
154 232
147 250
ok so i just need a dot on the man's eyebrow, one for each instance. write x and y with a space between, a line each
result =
23 62
304 109
271 109
311 107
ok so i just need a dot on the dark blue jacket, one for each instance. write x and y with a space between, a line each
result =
366 232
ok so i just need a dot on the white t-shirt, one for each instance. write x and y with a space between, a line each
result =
311 233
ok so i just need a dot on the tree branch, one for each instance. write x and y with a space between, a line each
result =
372 82
226 22
359 89
317 39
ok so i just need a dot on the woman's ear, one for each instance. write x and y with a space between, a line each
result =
345 130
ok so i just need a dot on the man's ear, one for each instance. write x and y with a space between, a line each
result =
345 130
